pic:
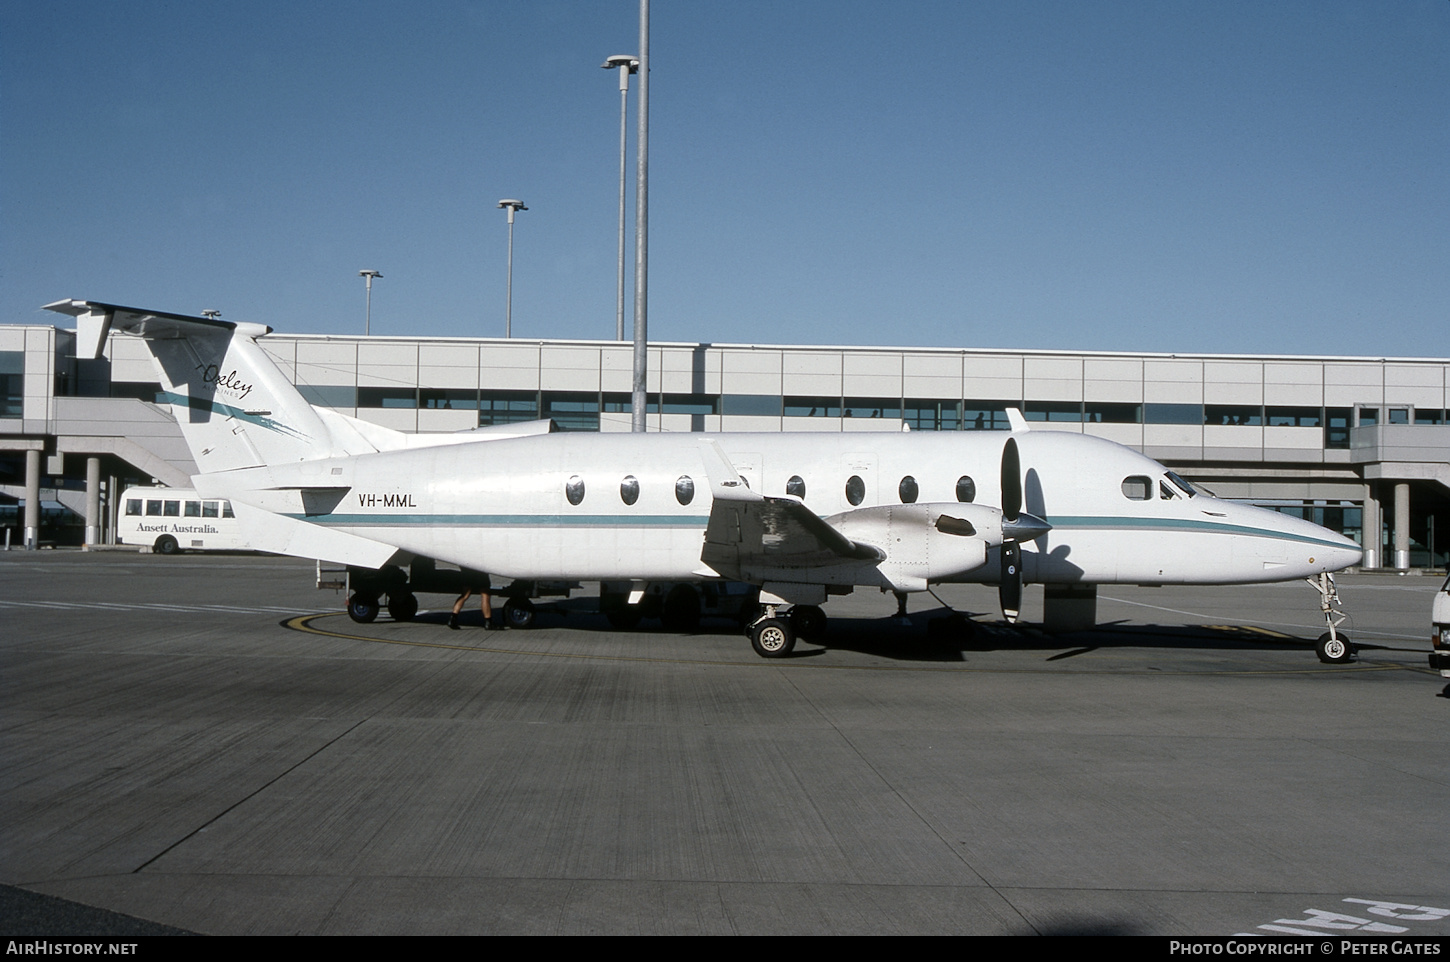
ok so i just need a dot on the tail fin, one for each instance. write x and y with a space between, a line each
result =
235 408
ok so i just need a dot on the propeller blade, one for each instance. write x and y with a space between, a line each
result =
1009 590
1011 481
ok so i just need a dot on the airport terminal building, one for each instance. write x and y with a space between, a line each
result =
1358 444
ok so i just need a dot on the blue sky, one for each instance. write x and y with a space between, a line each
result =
1155 176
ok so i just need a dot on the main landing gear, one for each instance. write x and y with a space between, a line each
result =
773 635
1333 647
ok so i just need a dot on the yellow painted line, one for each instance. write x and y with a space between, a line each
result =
305 624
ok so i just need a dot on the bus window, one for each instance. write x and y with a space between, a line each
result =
193 509
208 509
133 506
227 510
153 508
173 509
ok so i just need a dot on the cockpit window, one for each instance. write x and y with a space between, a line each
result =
1166 493
1183 485
1137 488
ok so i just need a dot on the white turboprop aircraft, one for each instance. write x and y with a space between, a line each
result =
801 516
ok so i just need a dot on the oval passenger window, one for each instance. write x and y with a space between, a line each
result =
574 489
1137 488
855 490
966 490
684 490
907 490
796 487
629 489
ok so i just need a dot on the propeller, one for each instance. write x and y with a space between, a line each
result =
1017 527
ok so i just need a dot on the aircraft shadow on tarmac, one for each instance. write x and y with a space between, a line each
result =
936 635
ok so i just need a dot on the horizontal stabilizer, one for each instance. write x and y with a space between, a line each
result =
282 535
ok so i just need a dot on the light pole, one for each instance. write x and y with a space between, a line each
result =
626 66
508 310
369 275
641 228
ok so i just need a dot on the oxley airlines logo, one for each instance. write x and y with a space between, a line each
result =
226 383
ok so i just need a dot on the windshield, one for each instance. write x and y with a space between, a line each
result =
1183 485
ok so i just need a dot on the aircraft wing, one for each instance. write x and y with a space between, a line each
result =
748 532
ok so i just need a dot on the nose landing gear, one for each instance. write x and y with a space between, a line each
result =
1333 647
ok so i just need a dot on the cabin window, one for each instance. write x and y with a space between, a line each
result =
684 490
1137 488
907 490
855 489
796 487
133 506
574 489
966 490
629 490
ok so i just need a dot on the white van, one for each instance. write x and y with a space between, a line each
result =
176 519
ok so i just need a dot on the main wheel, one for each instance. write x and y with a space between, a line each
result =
402 607
681 610
808 622
362 608
772 638
1334 651
166 544
518 613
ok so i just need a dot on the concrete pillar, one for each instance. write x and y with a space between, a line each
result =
1371 528
1402 526
1069 607
93 501
31 534
113 507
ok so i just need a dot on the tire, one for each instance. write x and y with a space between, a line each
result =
625 618
402 607
166 544
772 638
1334 651
362 608
681 610
518 613
808 622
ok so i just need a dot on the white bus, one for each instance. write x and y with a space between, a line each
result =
176 519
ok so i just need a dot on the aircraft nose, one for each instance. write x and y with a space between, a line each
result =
1344 554
1328 550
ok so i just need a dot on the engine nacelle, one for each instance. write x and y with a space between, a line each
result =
924 543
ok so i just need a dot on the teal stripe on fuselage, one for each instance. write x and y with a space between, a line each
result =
1060 524
1087 522
505 520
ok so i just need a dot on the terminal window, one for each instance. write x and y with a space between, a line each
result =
1249 415
12 384
986 415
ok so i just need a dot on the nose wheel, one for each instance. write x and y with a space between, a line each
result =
1333 647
